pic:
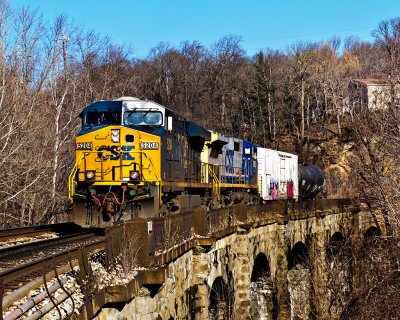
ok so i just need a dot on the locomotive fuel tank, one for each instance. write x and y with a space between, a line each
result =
311 181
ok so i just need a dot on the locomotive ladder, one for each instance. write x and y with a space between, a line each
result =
216 183
71 178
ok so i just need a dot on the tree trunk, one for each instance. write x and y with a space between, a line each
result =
302 110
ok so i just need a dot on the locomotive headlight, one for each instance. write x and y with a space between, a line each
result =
115 135
90 175
134 176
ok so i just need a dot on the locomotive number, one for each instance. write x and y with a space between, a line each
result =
84 146
149 145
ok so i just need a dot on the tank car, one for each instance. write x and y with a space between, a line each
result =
311 179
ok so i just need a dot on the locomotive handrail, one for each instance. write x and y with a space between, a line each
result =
216 184
237 176
71 178
82 156
152 164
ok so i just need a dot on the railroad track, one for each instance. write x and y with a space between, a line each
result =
27 266
23 262
12 234
13 277
27 252
17 282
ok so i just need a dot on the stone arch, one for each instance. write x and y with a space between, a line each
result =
370 251
264 244
299 281
335 245
261 267
221 299
220 267
263 293
372 231
298 255
338 273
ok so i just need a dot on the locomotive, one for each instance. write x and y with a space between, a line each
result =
136 158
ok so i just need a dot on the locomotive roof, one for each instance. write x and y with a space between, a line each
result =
131 103
128 102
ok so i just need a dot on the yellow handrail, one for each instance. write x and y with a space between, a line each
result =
71 178
216 183
81 156
152 165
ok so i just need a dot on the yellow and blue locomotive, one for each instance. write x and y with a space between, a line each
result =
136 158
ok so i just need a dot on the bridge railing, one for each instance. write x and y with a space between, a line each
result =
172 231
145 240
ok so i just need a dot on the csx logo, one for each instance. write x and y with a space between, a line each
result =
115 152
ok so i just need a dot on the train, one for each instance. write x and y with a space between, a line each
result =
136 158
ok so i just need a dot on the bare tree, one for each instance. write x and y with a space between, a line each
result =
301 55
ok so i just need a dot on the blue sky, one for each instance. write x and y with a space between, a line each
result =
260 24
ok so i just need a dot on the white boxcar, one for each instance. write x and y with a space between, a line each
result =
277 174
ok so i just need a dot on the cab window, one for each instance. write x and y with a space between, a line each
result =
101 118
140 118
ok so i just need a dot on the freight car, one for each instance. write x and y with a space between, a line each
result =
136 158
280 176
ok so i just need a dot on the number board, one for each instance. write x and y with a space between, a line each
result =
149 145
84 146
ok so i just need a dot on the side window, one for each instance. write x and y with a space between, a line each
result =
97 118
91 118
170 122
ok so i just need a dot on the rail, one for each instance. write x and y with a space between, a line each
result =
33 274
28 251
61 228
46 264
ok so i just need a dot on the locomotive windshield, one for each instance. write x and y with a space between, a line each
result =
101 118
140 118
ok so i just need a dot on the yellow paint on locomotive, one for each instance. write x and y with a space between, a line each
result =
113 162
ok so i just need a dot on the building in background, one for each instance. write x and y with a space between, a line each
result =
372 94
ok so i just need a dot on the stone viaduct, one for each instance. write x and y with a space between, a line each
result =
276 261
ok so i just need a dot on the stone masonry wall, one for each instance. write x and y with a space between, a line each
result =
189 279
